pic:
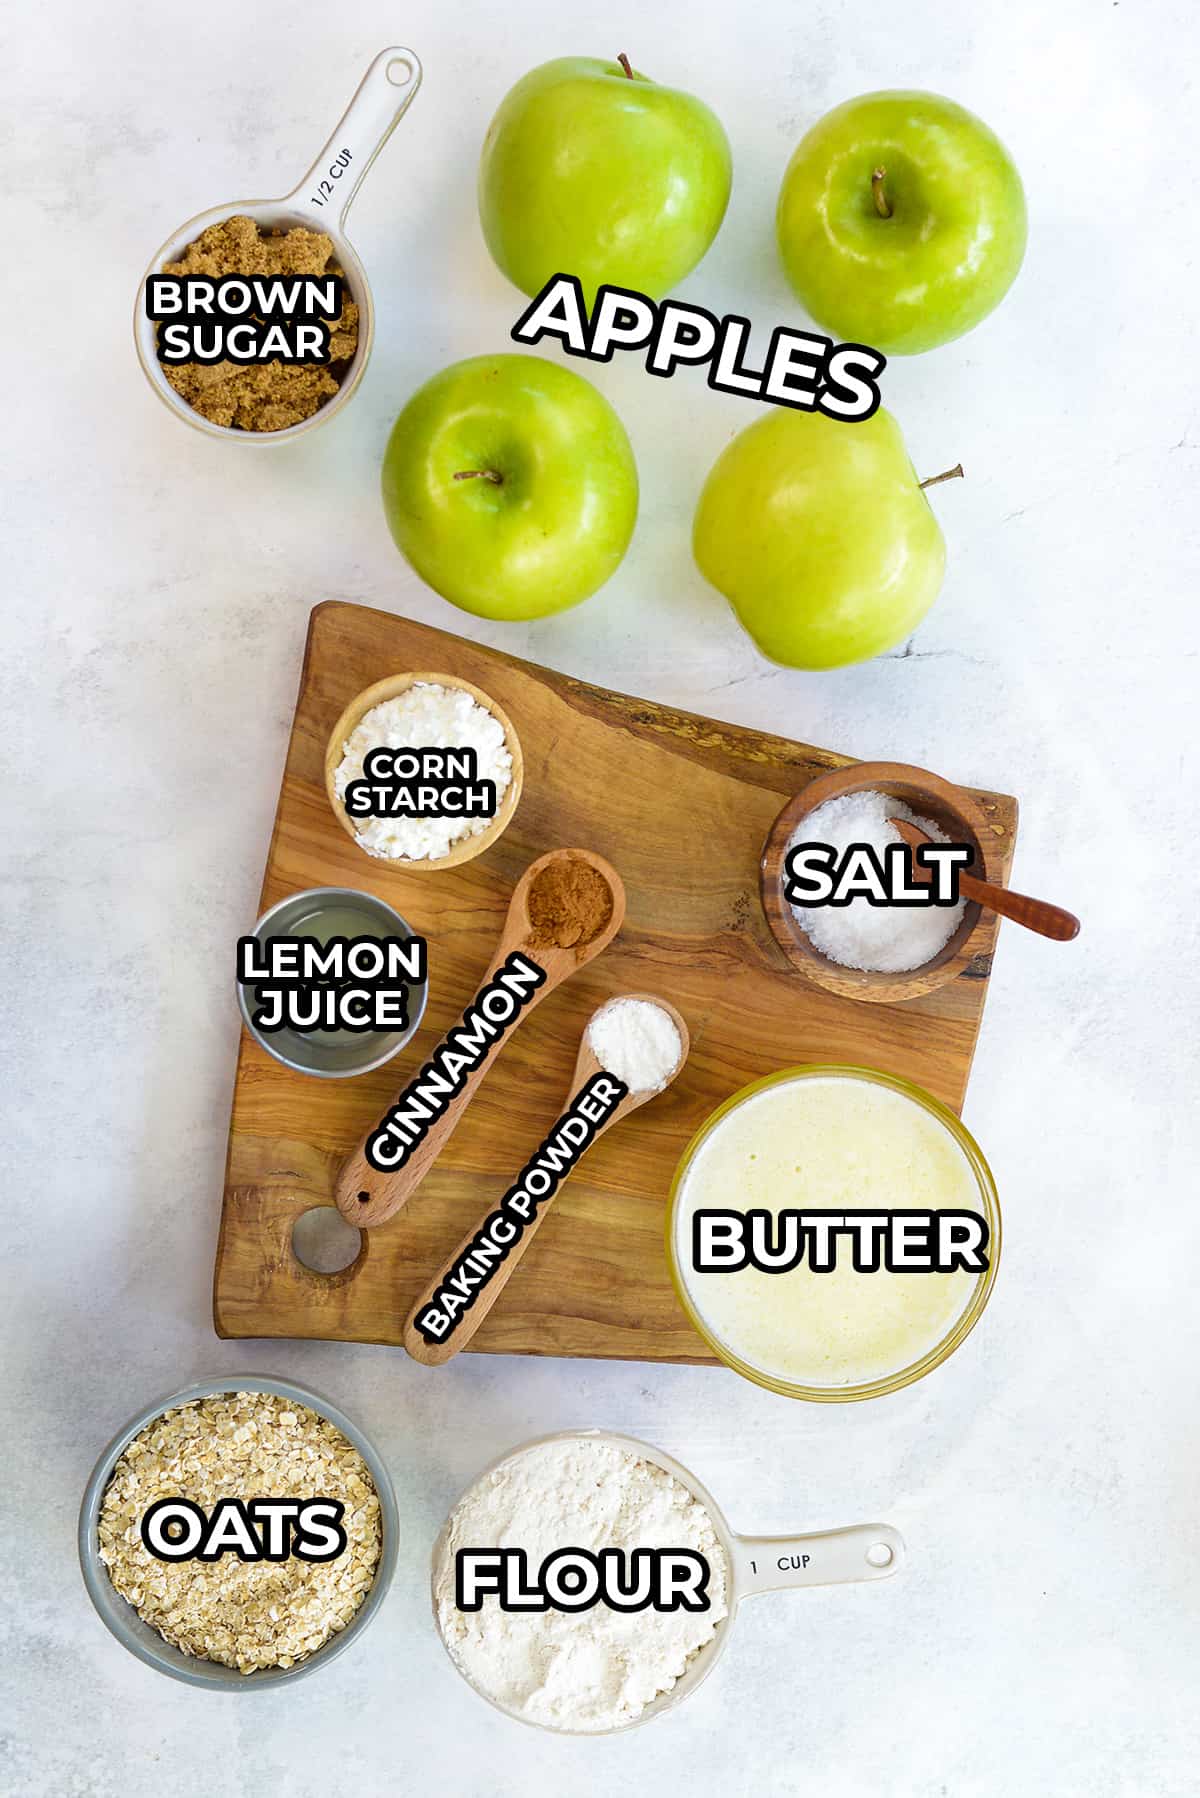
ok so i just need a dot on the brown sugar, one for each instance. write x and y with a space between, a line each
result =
264 396
570 902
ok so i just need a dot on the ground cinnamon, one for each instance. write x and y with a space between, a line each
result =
570 902
267 396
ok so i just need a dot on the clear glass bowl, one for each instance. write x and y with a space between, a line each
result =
989 1207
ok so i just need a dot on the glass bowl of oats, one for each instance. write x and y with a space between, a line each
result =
229 1622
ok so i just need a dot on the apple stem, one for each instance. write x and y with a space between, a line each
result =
491 474
880 198
624 62
951 474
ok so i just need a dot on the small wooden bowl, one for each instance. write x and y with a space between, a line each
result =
469 847
930 797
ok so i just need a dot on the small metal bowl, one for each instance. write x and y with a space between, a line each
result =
307 1054
119 1616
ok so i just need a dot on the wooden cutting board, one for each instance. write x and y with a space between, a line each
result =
680 805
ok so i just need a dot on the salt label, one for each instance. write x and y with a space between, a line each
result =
850 882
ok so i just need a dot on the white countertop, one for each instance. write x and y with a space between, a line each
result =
1044 1637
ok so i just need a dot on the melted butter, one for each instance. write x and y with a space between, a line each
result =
828 1143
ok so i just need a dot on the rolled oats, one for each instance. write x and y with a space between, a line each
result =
243 1445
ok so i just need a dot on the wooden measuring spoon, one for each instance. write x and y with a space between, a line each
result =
435 1354
364 1195
1035 914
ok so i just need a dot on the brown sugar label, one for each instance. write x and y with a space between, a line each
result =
534 1187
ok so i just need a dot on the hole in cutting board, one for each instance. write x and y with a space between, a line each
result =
324 1242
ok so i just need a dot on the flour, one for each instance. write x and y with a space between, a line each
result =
587 1670
637 1041
426 716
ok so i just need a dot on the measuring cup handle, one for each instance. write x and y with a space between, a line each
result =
831 1558
384 96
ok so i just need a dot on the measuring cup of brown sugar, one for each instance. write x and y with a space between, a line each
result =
251 402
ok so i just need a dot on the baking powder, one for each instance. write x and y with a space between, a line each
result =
637 1041
587 1670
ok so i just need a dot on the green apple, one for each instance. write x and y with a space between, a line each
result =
819 536
591 169
901 221
509 484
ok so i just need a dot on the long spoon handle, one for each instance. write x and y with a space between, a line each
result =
384 95
1035 914
366 1194
409 1138
435 1352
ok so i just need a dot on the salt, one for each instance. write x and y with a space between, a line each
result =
637 1041
879 938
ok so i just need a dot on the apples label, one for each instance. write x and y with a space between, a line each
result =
900 1242
359 983
803 370
576 1579
265 1529
534 1186
421 783
244 318
483 1026
815 874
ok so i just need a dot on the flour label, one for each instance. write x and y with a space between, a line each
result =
576 1579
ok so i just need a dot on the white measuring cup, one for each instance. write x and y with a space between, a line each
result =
320 203
864 1551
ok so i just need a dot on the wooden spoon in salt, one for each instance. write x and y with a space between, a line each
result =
1034 914
587 1067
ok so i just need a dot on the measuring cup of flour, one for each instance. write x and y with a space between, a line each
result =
319 203
594 1671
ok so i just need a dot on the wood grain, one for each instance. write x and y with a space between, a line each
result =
681 806
365 1196
436 1354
